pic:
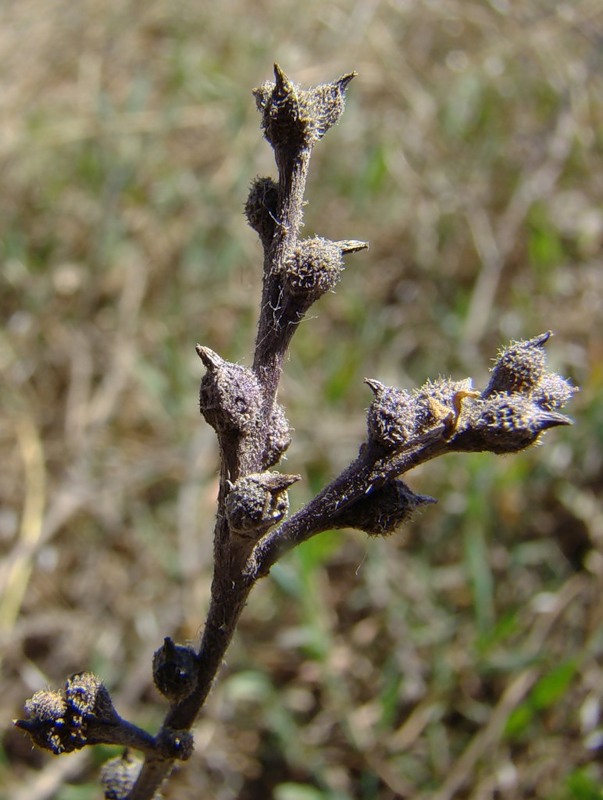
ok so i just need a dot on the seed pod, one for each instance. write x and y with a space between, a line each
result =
391 415
519 367
261 208
230 397
47 722
60 721
86 695
257 502
46 706
118 775
382 511
295 118
441 401
313 268
175 670
505 424
553 392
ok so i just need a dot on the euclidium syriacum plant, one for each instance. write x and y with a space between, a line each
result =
253 530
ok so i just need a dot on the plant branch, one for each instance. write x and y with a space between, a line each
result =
252 530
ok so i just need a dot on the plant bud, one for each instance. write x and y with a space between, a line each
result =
262 207
391 415
175 670
383 510
257 502
230 397
519 367
118 776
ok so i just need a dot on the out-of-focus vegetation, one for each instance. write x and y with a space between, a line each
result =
460 659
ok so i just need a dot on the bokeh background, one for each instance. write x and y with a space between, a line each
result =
462 658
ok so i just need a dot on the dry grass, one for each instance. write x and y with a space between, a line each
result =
462 660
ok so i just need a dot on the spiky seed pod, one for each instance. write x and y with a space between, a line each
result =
279 437
118 775
295 118
230 397
313 268
381 512
257 502
553 392
519 367
59 720
441 401
391 415
261 208
87 695
505 423
47 723
175 670
46 706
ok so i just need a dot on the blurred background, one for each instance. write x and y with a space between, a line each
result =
461 658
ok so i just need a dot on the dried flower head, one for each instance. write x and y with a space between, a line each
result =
261 208
505 423
66 720
257 502
519 367
295 118
230 397
175 670
391 415
313 268
553 392
383 510
118 776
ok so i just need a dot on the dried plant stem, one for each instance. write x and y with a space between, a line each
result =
252 531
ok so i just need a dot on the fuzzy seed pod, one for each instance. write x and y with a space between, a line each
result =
295 118
257 502
230 397
59 721
391 415
118 776
383 510
279 437
505 423
86 695
441 401
519 367
46 706
175 670
47 722
261 208
313 268
553 392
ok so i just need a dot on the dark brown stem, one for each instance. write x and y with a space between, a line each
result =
277 323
